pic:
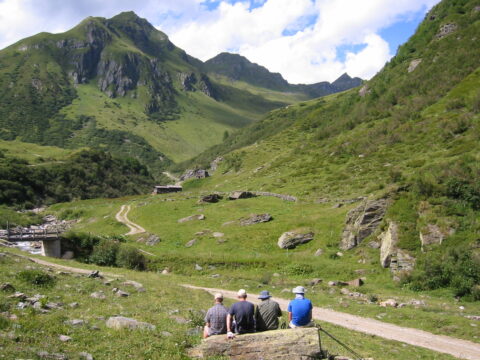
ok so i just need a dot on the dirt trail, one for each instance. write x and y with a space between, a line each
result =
172 177
461 349
123 218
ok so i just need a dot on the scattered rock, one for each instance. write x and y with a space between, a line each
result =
473 317
192 218
339 254
215 276
256 219
291 239
179 319
236 195
86 355
212 199
139 287
337 283
413 65
98 295
94 274
446 29
276 275
362 222
166 334
229 223
150 240
166 271
218 235
121 293
279 196
389 303
315 281
74 305
191 243
355 282
75 322
18 295
120 322
319 252
64 338
7 287
53 356
198 267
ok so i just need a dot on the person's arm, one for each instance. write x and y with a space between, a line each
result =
229 322
279 311
290 316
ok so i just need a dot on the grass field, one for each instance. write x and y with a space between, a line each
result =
248 256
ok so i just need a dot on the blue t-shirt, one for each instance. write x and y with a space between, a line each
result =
300 309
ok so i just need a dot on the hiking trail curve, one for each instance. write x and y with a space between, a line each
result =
122 216
461 349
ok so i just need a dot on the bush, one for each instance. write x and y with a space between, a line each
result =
4 323
130 258
298 269
105 253
36 278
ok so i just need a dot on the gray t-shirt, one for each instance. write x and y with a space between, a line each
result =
217 318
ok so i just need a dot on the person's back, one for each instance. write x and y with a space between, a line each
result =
243 313
300 309
267 313
216 318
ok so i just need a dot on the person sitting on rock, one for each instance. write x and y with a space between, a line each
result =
243 314
300 310
267 313
216 318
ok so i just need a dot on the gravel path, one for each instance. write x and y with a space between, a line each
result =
461 349
122 216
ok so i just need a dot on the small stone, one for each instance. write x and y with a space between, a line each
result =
276 275
355 283
374 244
94 274
18 295
215 276
121 293
74 305
191 218
166 334
75 322
120 322
315 281
7 287
179 319
166 271
98 295
218 235
191 243
319 252
339 254
198 267
389 303
64 338
86 355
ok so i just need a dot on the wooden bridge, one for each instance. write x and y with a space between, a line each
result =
50 238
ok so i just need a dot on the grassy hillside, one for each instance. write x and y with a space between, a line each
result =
175 311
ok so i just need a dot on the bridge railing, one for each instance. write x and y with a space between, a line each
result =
23 234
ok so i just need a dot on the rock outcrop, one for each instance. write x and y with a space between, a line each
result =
214 164
292 344
446 29
236 195
413 65
362 222
391 256
194 174
433 235
291 239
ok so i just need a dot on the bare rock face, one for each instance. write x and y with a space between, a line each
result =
364 90
433 235
194 174
362 222
388 240
293 344
446 29
120 322
413 65
188 81
391 256
291 239
256 219
192 218
214 164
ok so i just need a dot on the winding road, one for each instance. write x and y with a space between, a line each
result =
458 348
122 216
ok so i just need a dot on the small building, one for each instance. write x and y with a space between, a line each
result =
165 189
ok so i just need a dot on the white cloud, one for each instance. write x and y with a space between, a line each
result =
315 28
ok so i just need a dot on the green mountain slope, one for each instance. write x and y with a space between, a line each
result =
121 85
410 134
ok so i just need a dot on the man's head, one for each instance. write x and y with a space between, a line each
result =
219 298
242 294
264 295
299 290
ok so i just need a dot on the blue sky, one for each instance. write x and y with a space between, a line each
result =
305 40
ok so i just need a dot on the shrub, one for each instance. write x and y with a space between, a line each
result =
105 253
36 278
298 269
130 258
4 323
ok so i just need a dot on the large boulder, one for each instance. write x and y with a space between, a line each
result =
212 199
192 218
292 344
362 221
241 195
291 239
256 219
120 322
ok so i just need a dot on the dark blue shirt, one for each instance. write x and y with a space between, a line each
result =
243 312
300 309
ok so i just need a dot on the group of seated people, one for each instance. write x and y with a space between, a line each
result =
243 317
